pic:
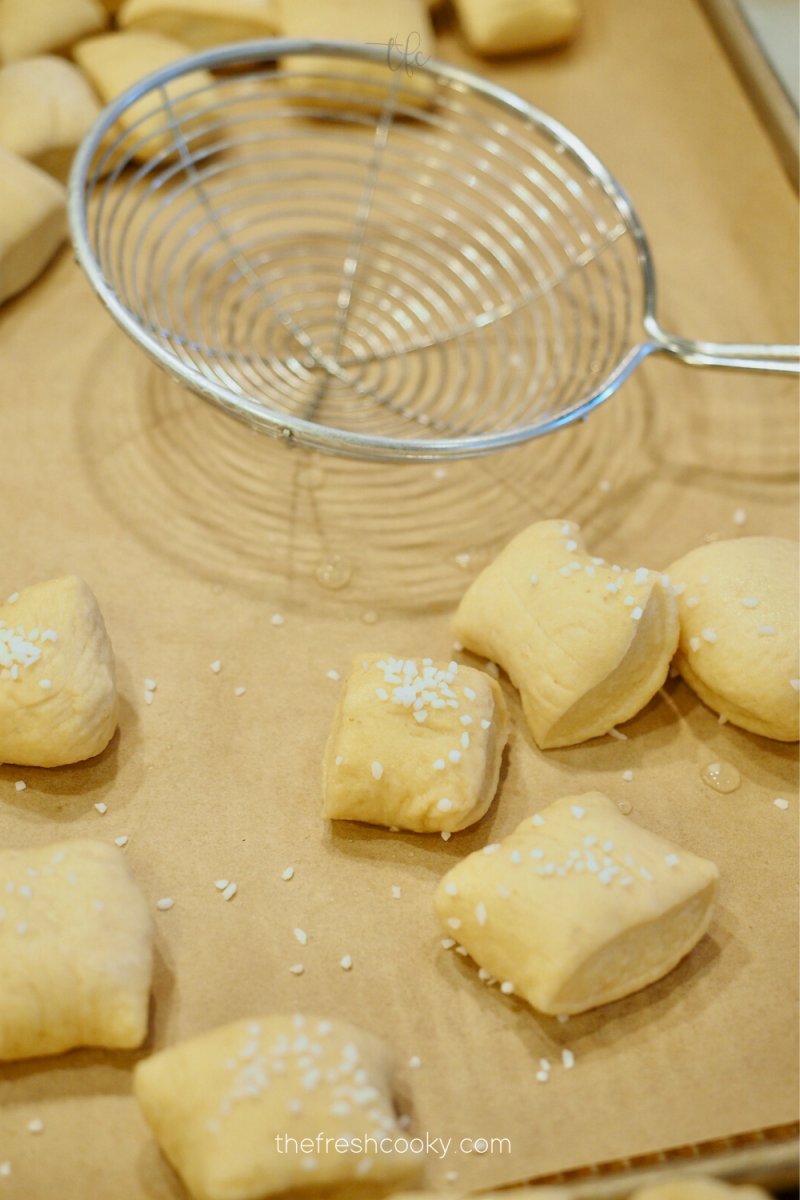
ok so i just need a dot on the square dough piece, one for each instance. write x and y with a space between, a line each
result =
587 644
76 956
115 61
58 693
513 26
29 27
578 906
221 1106
699 1187
740 632
417 746
33 222
406 23
201 23
47 106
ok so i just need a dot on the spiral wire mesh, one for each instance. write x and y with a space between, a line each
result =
360 260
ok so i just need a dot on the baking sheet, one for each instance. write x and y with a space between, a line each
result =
193 532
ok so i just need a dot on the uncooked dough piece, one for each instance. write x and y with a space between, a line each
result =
76 956
513 26
587 644
33 222
223 1104
406 24
578 906
115 61
201 23
58 695
29 27
46 108
740 632
415 744
699 1187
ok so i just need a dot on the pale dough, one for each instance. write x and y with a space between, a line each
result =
579 906
33 222
587 644
740 634
699 1187
76 955
58 695
200 24
46 108
115 61
408 22
218 1102
513 26
29 27
415 744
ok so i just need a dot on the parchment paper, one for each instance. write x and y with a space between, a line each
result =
193 532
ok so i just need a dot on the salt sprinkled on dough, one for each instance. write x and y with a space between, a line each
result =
627 776
692 602
577 812
536 819
20 785
297 969
781 803
454 922
766 629
101 808
749 601
671 860
346 963
121 841
301 936
165 904
568 1059
150 685
5 1169
334 675
415 1061
238 691
36 1125
288 873
277 619
229 892
507 988
446 836
695 643
739 517
795 683
216 666
377 770
444 805
438 764
451 888
636 614
13 598
396 892
616 733
45 683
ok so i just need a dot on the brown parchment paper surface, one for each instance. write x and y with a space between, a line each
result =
193 531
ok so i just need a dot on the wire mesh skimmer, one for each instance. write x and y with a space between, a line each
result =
366 262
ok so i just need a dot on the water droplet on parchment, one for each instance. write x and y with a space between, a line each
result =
721 776
333 572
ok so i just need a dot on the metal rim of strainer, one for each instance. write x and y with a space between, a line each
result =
83 182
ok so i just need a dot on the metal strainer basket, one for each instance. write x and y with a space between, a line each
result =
366 261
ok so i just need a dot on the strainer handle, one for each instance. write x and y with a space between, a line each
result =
739 355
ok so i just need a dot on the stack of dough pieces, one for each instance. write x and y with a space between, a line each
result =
58 694
33 222
403 25
76 951
115 61
29 27
221 1106
587 644
46 108
740 631
415 746
201 23
514 26
579 906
